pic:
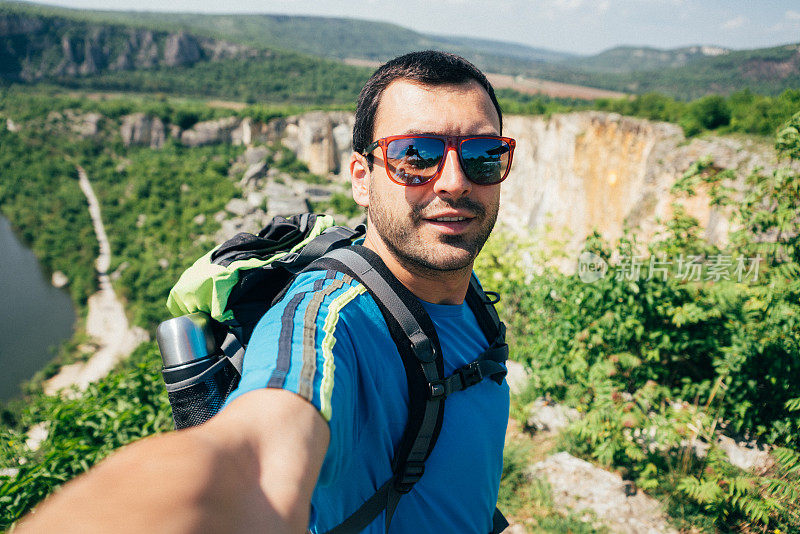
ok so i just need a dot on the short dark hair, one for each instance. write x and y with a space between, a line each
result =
430 67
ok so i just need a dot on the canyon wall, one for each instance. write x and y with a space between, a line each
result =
572 173
582 171
33 48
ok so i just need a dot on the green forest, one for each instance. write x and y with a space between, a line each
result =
652 365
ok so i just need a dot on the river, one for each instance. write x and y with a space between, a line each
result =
35 317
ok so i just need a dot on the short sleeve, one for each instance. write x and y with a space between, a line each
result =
303 345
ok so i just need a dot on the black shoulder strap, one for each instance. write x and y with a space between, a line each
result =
415 336
482 307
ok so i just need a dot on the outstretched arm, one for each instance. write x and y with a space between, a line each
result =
252 468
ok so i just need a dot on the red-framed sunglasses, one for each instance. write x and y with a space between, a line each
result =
417 159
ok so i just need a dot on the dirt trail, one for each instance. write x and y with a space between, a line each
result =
106 322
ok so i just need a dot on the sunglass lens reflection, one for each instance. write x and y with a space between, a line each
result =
485 160
414 160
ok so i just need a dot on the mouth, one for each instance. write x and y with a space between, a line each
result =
450 224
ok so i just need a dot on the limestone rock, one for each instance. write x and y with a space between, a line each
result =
94 58
579 485
85 125
239 207
243 134
199 220
210 132
255 154
254 173
517 376
181 50
147 54
255 200
547 417
579 171
143 130
12 126
283 200
320 139
745 457
59 279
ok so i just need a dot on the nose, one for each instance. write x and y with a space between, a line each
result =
452 181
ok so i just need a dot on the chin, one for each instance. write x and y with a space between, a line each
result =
442 258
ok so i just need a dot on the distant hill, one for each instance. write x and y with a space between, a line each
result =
321 36
765 71
88 49
635 59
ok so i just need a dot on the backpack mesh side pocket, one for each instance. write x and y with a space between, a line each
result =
196 400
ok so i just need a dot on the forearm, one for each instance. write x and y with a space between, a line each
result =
179 482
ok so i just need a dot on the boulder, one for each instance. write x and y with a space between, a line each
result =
210 132
59 279
283 200
579 485
243 134
142 130
85 125
255 200
238 207
517 377
320 139
254 173
255 154
748 458
547 417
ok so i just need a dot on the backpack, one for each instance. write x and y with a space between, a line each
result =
220 298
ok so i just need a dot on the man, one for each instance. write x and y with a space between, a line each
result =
310 432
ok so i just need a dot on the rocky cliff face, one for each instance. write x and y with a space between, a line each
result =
572 173
322 140
33 48
583 171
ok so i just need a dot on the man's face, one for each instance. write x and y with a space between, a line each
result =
409 219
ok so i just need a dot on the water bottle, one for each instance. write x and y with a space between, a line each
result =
187 346
197 375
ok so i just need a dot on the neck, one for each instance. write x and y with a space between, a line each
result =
430 285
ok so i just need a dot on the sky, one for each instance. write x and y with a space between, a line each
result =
577 26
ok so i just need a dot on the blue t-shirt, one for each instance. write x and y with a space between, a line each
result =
328 342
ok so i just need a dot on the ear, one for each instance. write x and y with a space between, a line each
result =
360 176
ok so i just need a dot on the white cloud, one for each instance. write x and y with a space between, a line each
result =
734 23
793 15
